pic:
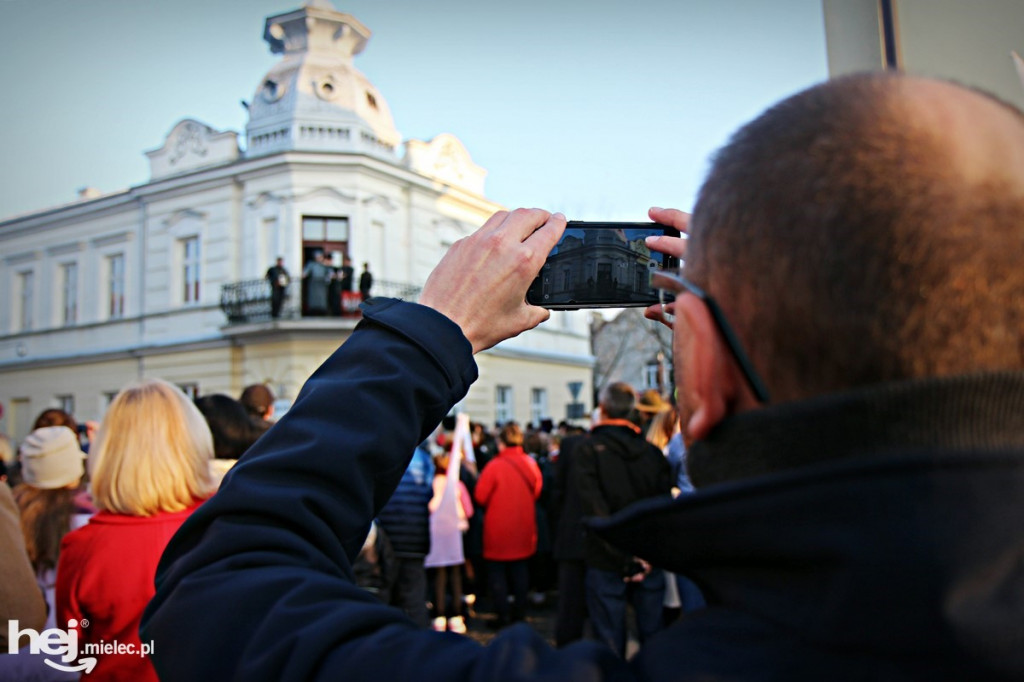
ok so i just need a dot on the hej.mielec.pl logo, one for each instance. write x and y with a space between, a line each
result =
64 643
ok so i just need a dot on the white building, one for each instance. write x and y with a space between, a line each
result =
135 284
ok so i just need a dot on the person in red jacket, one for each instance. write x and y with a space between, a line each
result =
508 489
149 469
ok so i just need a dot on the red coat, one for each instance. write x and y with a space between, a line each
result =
105 574
508 488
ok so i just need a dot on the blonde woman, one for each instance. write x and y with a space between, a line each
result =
149 469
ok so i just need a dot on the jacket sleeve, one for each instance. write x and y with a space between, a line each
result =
484 486
587 482
257 584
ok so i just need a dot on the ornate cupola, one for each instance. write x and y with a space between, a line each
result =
314 99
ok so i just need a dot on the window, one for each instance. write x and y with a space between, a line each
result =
27 299
328 235
66 403
70 292
503 411
190 389
652 375
115 285
538 405
324 229
190 269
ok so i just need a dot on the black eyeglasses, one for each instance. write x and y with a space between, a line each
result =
667 281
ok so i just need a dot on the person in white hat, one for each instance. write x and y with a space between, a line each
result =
52 466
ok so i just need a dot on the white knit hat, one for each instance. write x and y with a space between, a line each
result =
51 458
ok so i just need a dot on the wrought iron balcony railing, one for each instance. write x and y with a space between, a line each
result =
250 300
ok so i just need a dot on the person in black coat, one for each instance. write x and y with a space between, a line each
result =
365 282
279 279
617 467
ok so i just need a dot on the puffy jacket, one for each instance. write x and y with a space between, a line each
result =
405 518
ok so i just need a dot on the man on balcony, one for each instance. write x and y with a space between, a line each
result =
279 280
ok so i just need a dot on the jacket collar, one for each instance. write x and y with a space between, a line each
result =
950 413
907 530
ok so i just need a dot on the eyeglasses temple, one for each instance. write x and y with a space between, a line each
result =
731 340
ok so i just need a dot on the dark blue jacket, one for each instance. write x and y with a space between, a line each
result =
258 584
406 516
901 560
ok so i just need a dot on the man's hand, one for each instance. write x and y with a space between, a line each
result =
481 282
643 569
673 246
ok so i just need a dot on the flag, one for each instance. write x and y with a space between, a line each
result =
445 524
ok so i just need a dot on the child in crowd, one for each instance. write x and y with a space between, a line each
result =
450 510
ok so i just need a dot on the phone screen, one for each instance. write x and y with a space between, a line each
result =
601 265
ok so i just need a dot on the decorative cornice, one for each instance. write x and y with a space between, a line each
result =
22 258
380 200
182 215
281 197
114 238
65 249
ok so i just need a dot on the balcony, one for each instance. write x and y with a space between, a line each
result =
248 301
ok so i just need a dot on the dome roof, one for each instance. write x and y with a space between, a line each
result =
314 99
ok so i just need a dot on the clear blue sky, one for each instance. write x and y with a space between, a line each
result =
596 108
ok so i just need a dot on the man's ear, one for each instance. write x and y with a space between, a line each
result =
710 385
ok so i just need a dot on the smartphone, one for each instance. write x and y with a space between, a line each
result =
601 265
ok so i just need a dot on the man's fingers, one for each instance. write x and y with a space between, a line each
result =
544 238
661 313
672 246
519 224
670 216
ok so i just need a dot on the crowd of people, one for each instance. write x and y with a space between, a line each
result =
94 525
515 533
848 334
88 509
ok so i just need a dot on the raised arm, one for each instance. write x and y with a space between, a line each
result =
258 583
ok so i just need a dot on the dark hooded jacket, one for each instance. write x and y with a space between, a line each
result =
616 467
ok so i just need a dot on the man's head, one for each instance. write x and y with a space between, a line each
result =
258 401
868 229
617 400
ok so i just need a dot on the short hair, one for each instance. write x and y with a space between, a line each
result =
55 417
511 434
848 248
152 452
257 399
232 428
617 400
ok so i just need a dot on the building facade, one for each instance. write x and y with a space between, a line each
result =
167 279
